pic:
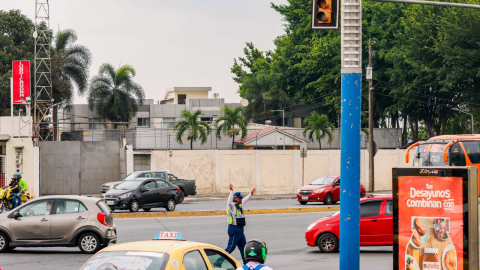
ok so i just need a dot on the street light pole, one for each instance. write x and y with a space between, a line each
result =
283 122
471 119
351 85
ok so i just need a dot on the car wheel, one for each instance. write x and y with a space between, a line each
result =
303 203
89 243
3 243
181 197
328 199
170 205
334 202
134 206
147 209
327 243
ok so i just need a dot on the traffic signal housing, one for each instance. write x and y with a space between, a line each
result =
325 14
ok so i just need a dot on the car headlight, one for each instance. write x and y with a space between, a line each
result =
126 195
320 190
312 225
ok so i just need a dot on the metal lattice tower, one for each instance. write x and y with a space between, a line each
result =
43 96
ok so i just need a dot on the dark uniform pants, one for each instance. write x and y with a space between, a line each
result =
236 239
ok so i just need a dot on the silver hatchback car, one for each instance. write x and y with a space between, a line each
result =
53 221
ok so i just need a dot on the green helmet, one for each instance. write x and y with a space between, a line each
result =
256 250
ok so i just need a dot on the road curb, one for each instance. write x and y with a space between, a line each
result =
220 213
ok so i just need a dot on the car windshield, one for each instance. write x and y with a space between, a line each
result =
128 185
132 176
322 181
127 260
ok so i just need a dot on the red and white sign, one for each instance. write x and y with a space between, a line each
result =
430 222
21 81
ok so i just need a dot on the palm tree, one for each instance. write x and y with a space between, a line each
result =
319 126
229 120
114 94
196 129
70 64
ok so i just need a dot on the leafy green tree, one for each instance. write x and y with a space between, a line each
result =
196 129
70 64
318 127
231 123
114 94
16 43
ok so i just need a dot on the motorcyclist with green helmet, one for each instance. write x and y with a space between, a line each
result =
22 189
255 255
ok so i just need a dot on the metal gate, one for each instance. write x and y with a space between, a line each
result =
74 167
141 162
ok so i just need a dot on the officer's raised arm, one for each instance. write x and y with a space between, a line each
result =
245 200
230 197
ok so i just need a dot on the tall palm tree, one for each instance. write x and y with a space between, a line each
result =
70 64
229 121
114 94
196 129
319 126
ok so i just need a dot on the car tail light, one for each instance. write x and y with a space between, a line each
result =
102 218
179 189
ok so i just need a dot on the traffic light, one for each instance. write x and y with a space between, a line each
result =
325 14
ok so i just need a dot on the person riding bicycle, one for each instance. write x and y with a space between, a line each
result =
22 186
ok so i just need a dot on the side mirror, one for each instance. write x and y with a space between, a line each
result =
16 215
145 189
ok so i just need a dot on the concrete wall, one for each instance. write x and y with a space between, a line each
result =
270 171
78 167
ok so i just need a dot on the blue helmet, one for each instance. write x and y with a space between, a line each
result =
238 195
19 176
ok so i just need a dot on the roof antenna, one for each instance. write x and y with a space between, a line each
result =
161 224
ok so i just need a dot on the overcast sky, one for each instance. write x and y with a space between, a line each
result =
169 42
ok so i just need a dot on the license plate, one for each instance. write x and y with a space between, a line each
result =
304 197
110 202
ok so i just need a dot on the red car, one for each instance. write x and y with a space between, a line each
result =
324 189
376 225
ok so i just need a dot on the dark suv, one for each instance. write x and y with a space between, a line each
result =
145 194
59 221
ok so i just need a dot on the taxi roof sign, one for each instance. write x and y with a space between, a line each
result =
169 236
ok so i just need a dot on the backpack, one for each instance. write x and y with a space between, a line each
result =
246 267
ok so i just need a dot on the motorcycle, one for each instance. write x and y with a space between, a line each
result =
6 199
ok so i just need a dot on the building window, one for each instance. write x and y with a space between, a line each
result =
94 126
144 122
206 119
168 122
182 98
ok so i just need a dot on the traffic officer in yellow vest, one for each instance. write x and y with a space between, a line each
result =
236 221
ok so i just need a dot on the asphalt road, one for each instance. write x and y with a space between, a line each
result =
284 234
222 205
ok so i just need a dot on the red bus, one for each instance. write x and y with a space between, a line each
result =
447 150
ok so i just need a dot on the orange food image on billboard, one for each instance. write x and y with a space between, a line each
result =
451 260
420 227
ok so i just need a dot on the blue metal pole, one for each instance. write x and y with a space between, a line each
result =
350 172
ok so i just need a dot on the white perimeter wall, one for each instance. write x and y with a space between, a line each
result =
270 171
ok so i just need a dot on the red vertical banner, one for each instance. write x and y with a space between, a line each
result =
21 81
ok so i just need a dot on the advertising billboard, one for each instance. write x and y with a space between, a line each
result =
435 218
21 81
